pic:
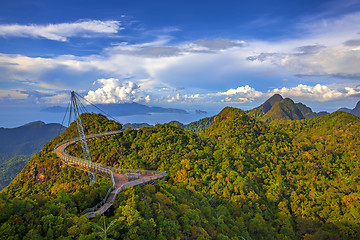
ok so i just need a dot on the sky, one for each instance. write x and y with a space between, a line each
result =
180 53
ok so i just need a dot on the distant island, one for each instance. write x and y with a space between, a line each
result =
123 109
197 111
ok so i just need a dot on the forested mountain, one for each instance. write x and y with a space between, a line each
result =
306 111
355 110
278 108
196 126
17 145
285 109
136 125
27 139
10 166
266 106
200 125
240 178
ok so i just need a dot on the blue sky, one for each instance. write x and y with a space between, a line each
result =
180 53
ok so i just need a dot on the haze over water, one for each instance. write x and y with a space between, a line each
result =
16 117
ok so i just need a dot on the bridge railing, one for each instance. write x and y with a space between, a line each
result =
93 165
96 167
130 184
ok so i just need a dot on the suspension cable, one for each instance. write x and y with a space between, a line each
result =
98 108
63 119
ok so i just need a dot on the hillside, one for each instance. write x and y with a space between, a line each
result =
285 109
306 111
195 127
44 174
27 139
17 145
10 167
240 178
278 108
199 125
355 110
266 106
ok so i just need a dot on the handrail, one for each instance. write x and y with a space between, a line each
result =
72 141
99 168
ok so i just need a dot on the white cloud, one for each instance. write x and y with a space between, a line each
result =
115 91
61 31
338 60
247 90
208 65
317 93
183 98
241 94
314 93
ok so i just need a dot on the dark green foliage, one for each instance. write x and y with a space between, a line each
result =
240 178
176 124
278 108
285 109
45 174
18 144
196 126
10 166
266 106
306 111
27 139
355 110
200 125
136 125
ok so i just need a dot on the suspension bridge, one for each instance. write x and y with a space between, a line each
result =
120 178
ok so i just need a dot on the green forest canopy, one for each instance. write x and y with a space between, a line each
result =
240 178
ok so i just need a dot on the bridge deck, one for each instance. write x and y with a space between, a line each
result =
119 180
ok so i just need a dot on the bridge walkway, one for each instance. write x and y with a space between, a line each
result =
121 178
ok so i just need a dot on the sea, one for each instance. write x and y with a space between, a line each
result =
11 117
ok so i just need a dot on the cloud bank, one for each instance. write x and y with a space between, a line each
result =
62 31
245 94
320 64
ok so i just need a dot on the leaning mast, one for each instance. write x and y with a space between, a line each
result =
85 149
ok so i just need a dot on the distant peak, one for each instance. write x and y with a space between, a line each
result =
288 100
270 102
357 105
276 97
34 123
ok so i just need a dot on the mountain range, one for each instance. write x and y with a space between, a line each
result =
239 178
17 145
277 107
355 110
27 139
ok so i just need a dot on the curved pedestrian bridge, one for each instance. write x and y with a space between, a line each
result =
121 178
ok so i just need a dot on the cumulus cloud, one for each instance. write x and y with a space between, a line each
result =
315 93
61 31
183 98
241 94
208 65
115 91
